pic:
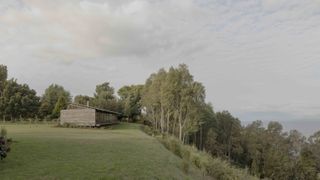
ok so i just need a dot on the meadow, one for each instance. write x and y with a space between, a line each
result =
42 151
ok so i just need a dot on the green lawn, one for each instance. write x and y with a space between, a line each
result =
122 152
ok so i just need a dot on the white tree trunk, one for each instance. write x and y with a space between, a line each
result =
168 122
180 130
162 120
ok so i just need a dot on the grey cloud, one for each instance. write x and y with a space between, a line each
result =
253 56
85 29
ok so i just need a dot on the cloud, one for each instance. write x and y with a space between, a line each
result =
60 30
253 55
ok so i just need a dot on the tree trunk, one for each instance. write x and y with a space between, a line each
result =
168 121
154 120
201 144
162 120
229 150
180 123
183 138
180 130
174 128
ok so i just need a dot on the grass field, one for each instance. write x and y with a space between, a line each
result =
123 152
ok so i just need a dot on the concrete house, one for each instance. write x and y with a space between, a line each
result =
82 115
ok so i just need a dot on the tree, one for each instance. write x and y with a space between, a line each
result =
50 98
274 160
211 144
151 98
104 91
207 123
314 143
3 77
253 147
306 167
296 141
18 101
229 135
60 105
44 110
104 97
173 100
80 99
130 98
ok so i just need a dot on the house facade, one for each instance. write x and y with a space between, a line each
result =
81 115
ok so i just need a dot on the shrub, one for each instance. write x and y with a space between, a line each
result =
196 160
3 132
214 167
147 130
175 147
185 166
4 144
186 154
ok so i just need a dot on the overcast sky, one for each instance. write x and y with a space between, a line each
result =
259 59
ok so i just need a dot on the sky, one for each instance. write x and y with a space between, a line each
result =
259 59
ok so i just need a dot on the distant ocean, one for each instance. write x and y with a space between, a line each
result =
306 127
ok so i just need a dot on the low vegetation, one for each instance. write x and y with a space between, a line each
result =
214 167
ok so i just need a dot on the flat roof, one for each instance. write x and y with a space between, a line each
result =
97 109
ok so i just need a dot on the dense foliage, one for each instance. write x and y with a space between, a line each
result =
173 101
53 100
104 98
16 100
130 100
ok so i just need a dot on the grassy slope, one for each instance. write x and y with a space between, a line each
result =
124 152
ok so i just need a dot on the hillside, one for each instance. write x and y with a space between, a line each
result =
123 152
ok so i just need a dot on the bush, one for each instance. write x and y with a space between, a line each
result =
186 154
4 144
185 166
175 147
214 167
147 130
3 132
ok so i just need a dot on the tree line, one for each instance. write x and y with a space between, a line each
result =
173 103
19 101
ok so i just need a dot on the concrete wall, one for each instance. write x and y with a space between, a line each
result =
80 117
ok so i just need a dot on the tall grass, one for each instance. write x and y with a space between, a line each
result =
214 167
